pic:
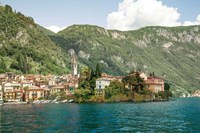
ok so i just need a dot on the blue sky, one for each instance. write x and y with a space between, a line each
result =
188 9
106 13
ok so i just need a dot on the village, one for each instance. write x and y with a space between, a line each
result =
34 87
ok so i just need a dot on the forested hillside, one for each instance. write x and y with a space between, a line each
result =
171 53
25 48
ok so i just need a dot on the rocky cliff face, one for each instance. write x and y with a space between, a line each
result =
24 48
172 53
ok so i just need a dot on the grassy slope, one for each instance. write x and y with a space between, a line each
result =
20 35
142 49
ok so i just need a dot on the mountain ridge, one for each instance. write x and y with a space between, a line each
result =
25 48
170 52
162 50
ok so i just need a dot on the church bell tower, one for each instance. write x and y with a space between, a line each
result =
74 66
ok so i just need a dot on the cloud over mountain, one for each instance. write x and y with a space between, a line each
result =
134 14
197 22
55 29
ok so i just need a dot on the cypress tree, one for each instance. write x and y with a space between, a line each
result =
98 71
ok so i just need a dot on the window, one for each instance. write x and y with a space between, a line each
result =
99 86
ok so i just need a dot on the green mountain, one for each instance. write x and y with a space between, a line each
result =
26 48
172 53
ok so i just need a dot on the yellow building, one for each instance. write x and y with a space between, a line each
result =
155 84
34 93
13 91
57 89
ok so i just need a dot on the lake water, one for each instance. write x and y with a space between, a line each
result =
181 115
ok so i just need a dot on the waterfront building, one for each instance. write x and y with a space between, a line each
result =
34 93
13 91
101 84
155 84
58 89
46 92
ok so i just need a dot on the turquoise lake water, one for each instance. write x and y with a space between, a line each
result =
180 115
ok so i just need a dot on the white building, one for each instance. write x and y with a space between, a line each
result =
27 83
101 84
13 91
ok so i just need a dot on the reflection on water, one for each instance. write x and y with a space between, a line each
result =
181 115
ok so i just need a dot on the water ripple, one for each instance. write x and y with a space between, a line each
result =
180 116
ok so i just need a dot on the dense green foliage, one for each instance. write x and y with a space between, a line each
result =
87 83
135 82
85 79
169 52
166 94
116 88
24 48
82 95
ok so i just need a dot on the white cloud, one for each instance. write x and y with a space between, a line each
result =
197 22
134 14
55 29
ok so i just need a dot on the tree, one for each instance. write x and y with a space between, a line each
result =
84 80
98 71
92 80
167 91
26 66
8 9
82 95
167 87
135 81
3 64
22 63
115 88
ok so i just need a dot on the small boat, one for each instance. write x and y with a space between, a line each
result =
64 101
71 101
